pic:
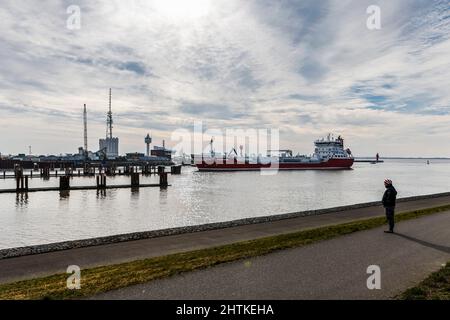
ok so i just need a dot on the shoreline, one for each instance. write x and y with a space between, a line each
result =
135 236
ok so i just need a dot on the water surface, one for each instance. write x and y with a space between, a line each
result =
198 198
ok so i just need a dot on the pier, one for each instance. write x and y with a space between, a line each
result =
48 173
369 161
134 172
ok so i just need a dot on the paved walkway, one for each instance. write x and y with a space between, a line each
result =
27 267
333 269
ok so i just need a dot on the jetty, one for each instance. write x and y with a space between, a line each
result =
369 161
22 180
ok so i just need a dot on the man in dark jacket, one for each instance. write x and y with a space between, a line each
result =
389 197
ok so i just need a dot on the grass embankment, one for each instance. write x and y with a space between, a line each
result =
101 279
435 287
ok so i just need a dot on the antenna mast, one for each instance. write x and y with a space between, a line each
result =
109 121
85 131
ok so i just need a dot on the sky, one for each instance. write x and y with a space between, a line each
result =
305 68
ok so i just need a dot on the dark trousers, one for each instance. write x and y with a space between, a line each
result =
390 217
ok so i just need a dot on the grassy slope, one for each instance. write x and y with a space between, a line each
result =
435 287
101 279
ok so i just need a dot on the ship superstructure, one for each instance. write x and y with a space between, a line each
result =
329 153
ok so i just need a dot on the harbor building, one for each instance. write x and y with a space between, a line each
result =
162 152
111 146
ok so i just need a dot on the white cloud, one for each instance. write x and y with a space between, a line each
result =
304 67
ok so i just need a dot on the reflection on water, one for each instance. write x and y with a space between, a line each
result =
21 200
101 194
198 198
64 194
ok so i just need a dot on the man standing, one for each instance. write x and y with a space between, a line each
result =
388 201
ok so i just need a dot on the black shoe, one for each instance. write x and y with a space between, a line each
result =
388 231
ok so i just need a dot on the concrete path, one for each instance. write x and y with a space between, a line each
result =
333 269
27 267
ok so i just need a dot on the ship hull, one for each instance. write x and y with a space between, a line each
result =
331 164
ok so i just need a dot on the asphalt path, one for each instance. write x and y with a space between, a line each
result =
332 269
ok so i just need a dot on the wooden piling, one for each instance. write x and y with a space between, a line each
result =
162 177
135 180
21 183
175 169
64 183
101 181
45 173
163 183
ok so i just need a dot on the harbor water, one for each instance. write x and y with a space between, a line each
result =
197 198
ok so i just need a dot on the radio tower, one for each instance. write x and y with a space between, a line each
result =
85 132
148 140
109 120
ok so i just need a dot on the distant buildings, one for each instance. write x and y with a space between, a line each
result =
135 156
108 149
111 146
162 152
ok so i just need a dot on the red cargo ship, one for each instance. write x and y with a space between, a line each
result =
329 154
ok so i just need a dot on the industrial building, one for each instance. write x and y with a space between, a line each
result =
111 145
162 152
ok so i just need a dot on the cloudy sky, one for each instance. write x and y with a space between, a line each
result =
304 67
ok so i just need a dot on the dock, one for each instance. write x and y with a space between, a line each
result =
22 181
369 161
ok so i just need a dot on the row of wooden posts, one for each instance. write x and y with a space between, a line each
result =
91 171
64 181
22 183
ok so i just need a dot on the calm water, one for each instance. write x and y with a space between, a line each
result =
198 198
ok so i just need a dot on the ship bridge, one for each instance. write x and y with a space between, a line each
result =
331 147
